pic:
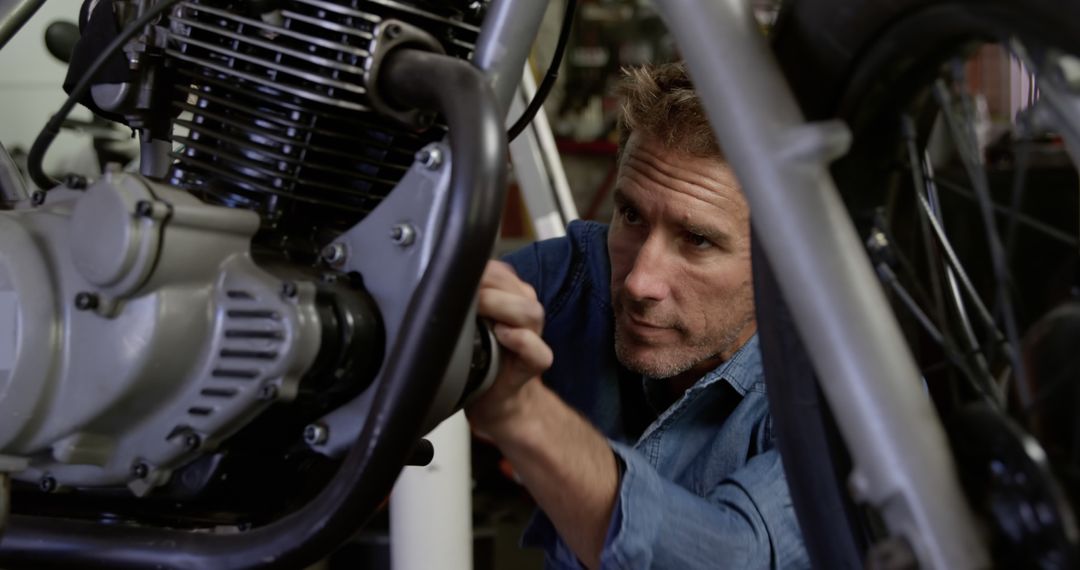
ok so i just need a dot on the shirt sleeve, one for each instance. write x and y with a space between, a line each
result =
747 521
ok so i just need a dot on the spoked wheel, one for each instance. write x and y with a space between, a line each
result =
971 222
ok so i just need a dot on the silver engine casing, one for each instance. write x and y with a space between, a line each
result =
136 332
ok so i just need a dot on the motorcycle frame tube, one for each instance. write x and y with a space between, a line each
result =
870 380
13 16
509 30
415 363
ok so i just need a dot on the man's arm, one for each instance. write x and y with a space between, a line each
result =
566 465
571 470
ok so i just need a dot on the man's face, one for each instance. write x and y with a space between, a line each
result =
680 262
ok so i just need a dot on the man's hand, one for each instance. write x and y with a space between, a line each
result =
564 462
518 319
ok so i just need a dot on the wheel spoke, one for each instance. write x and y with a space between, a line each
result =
922 178
1029 222
953 356
957 270
964 141
918 179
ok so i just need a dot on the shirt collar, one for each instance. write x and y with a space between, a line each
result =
743 371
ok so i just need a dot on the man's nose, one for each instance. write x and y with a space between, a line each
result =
648 277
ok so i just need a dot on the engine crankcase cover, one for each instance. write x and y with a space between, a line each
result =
136 332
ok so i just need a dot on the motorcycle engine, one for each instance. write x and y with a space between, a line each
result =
170 334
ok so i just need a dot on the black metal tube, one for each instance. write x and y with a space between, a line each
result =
415 365
799 411
13 15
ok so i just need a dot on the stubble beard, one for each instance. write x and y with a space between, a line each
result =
666 362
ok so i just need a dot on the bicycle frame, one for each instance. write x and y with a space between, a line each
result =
902 463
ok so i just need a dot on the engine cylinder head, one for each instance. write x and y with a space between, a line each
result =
274 115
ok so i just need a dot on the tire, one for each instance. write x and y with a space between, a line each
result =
862 61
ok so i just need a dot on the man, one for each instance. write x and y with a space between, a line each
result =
650 444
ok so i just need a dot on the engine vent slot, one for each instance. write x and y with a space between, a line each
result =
249 354
235 374
272 114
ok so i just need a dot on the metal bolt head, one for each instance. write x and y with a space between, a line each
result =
334 253
38 197
425 119
47 484
85 301
393 31
288 289
144 208
75 182
268 392
403 234
140 470
877 242
430 157
192 441
316 434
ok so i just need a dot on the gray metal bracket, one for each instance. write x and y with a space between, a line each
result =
391 249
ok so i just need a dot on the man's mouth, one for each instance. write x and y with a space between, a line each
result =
648 331
642 323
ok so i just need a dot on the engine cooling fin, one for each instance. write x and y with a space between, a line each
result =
273 115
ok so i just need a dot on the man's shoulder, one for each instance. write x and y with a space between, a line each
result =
557 265
583 237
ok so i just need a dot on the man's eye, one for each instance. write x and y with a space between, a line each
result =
698 241
630 215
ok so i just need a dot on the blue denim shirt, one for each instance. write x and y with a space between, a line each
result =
702 485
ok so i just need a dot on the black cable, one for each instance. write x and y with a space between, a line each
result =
549 79
45 138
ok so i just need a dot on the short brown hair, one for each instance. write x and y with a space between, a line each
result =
660 101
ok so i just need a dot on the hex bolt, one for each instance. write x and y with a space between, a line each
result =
140 470
393 31
877 242
425 119
47 484
75 182
144 208
430 157
316 434
403 234
333 253
37 198
268 392
192 441
85 301
288 289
